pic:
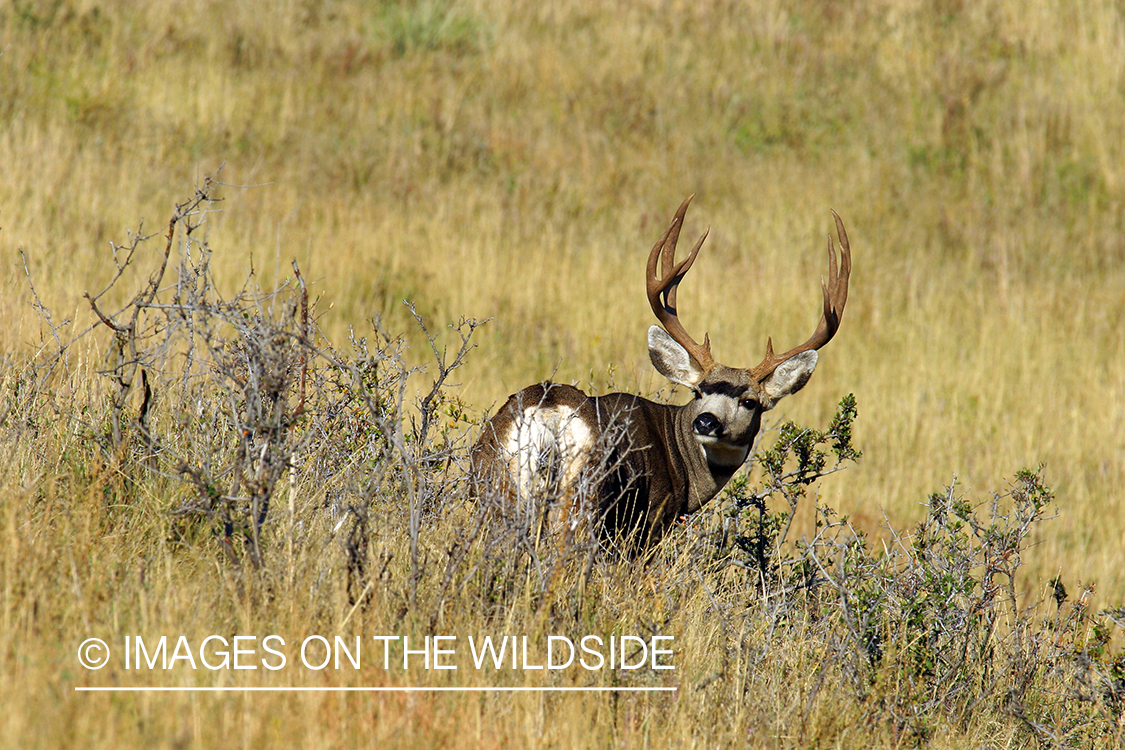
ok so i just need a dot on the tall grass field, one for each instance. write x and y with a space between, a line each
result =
268 266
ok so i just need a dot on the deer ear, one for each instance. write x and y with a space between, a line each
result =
788 378
671 360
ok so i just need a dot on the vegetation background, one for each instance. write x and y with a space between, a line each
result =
515 161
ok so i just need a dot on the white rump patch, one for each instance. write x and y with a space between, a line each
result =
546 451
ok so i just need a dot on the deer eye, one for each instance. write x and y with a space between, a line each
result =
749 403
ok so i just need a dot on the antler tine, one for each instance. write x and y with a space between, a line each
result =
666 284
835 292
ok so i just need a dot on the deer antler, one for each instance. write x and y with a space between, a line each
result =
671 274
835 297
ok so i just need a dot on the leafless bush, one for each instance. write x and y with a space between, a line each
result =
228 396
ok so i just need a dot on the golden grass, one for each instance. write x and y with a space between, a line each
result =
515 160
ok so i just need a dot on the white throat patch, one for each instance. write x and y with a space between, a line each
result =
719 453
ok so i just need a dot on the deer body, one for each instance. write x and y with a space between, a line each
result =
627 464
547 436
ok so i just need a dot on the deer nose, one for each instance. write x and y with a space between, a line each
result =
707 424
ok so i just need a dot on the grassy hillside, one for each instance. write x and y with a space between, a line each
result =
514 162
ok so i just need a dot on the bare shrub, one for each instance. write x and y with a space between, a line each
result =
229 395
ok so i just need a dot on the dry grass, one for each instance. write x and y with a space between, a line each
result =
515 160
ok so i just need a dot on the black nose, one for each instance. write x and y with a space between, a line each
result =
707 424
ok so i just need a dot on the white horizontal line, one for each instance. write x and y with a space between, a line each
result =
373 689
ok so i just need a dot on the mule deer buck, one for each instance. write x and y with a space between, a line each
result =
626 465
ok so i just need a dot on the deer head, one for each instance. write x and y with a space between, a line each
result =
726 413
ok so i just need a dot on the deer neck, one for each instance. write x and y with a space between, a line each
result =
706 470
